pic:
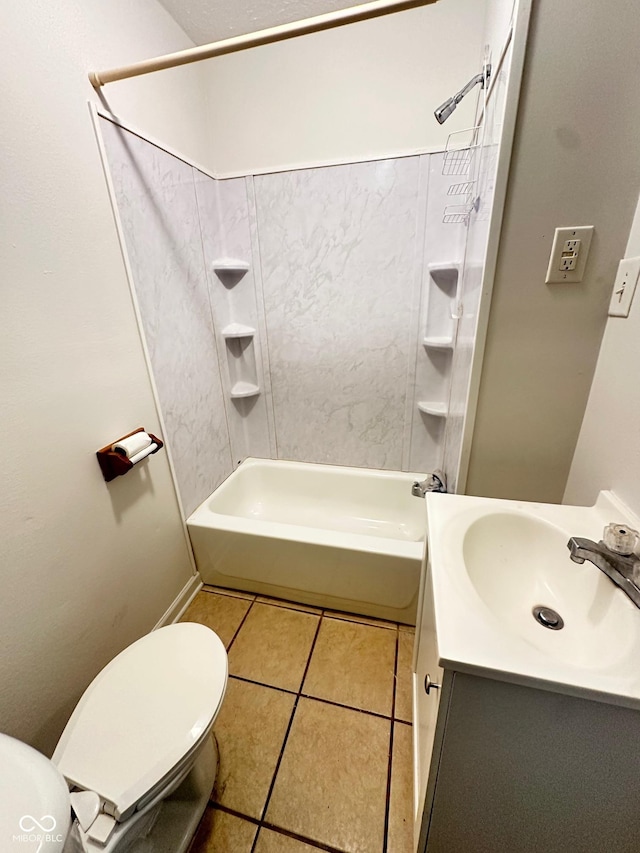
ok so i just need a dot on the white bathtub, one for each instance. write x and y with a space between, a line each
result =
345 538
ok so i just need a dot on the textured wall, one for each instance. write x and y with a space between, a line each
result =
86 567
156 197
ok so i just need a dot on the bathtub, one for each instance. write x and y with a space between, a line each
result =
344 538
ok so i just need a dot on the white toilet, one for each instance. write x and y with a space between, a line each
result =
137 755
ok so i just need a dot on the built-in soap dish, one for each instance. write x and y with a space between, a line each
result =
230 270
438 410
445 274
444 342
237 330
244 389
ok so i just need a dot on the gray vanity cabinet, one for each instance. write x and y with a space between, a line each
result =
515 769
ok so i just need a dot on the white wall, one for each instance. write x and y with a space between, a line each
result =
574 162
362 91
85 567
608 451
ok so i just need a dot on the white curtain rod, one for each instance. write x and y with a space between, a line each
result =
362 12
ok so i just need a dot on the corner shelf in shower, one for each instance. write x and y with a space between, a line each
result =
444 342
445 273
244 389
230 265
438 410
237 330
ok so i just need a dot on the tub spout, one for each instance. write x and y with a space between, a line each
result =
434 482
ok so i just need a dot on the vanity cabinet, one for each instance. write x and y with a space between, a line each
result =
509 768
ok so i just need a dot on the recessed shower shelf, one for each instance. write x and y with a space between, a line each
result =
244 389
445 273
237 330
438 342
438 410
230 265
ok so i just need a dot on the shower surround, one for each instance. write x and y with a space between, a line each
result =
311 286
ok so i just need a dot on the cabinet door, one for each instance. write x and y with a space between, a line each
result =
425 705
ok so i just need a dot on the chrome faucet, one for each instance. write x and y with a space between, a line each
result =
613 555
435 482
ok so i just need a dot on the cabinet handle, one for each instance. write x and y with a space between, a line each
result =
429 685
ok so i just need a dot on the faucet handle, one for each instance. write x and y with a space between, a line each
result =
620 538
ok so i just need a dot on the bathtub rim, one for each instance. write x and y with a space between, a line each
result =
205 517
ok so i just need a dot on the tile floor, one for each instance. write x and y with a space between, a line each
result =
314 733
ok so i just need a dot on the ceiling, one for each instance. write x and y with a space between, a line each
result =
211 20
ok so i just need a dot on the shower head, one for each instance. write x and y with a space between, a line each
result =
444 110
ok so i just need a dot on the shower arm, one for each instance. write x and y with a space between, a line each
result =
482 78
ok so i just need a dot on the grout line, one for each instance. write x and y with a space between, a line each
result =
389 767
219 807
318 845
286 736
346 707
262 684
244 619
228 592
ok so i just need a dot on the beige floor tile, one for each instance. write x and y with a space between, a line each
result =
234 593
250 731
273 646
363 620
404 679
292 605
222 613
331 785
220 832
400 833
353 664
274 842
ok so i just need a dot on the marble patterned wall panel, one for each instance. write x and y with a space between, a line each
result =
338 250
444 242
226 232
156 200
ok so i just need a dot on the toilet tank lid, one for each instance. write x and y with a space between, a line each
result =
143 713
34 800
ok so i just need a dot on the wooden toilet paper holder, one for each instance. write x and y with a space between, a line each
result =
114 464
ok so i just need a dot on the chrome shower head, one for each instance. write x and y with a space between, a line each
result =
444 110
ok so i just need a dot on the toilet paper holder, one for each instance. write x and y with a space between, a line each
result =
114 464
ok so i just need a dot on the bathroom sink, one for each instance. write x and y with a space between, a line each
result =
518 562
495 564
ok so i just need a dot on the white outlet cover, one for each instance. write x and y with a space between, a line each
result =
624 287
555 275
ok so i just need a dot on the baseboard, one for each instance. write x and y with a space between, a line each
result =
181 602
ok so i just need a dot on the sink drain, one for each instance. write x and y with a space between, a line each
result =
548 617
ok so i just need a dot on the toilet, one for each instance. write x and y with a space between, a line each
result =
135 765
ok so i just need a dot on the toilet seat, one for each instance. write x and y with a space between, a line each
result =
142 715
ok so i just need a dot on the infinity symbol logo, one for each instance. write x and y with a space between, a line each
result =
28 823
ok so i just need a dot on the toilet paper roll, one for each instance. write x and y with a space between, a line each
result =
133 445
143 453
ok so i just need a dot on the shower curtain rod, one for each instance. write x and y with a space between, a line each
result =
362 12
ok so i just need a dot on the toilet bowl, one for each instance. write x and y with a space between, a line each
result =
137 754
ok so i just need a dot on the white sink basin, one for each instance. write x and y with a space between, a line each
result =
493 561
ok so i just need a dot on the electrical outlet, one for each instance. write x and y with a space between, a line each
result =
569 254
